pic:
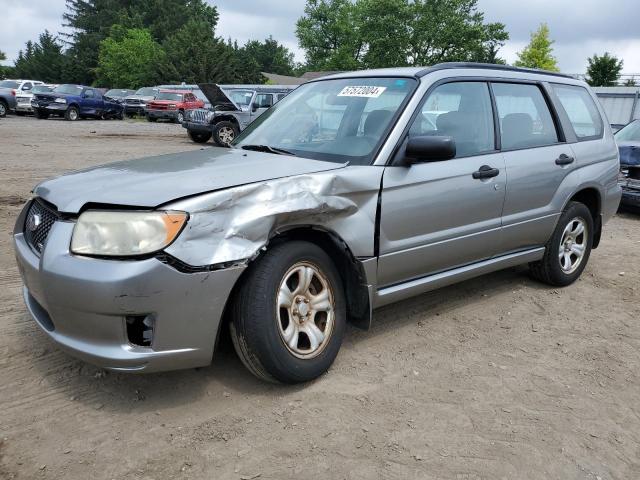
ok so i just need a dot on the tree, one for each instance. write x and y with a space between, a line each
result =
90 22
3 69
42 60
270 56
340 34
194 54
539 52
129 58
604 71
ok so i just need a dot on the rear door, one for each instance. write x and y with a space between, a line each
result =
537 159
437 216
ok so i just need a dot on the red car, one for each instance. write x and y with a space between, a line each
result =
171 105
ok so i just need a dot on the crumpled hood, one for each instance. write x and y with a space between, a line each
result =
153 181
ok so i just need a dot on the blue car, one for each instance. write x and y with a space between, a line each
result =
628 140
74 102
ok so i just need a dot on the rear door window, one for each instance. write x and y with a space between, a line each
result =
581 110
525 118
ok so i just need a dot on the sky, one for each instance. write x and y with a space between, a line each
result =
579 27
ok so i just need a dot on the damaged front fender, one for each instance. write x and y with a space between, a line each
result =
233 225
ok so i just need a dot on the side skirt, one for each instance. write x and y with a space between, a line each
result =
402 291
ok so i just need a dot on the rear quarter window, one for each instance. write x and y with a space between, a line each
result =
581 110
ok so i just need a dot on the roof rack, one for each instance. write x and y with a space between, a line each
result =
488 66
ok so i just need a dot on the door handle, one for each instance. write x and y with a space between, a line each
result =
486 171
564 160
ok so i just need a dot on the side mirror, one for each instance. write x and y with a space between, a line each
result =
424 149
254 107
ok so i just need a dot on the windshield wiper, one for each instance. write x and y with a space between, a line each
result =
268 149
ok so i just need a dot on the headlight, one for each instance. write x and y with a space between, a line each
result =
210 116
60 100
123 233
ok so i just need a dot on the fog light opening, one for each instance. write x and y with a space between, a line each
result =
140 329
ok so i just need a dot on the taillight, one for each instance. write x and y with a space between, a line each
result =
13 92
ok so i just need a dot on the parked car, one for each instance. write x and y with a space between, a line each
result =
232 109
172 105
118 95
628 140
136 104
74 102
10 89
340 199
183 87
23 99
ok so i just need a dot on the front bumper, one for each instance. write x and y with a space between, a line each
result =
134 109
53 107
197 127
630 197
163 114
82 304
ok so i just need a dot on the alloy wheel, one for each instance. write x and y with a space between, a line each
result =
573 245
306 307
226 135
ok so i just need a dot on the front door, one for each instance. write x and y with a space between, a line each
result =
440 215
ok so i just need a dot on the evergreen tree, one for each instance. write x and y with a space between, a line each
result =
539 52
604 71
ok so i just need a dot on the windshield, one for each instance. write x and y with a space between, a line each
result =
169 96
147 92
68 89
41 89
242 98
8 84
117 93
342 120
630 133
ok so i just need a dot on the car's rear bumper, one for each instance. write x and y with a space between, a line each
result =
83 305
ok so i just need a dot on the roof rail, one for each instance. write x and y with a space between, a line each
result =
488 66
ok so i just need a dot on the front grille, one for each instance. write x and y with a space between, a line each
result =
132 101
40 218
198 116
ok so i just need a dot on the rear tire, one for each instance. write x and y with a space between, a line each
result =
289 314
72 114
3 109
568 250
224 133
199 137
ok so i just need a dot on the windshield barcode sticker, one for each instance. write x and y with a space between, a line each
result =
366 92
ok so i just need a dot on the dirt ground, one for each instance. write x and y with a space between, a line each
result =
495 378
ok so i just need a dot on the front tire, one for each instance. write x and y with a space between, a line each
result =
569 248
41 115
199 137
289 314
224 133
72 114
180 117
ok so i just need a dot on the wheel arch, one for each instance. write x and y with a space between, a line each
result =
591 197
351 270
225 118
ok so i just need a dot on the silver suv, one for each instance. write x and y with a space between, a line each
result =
355 191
